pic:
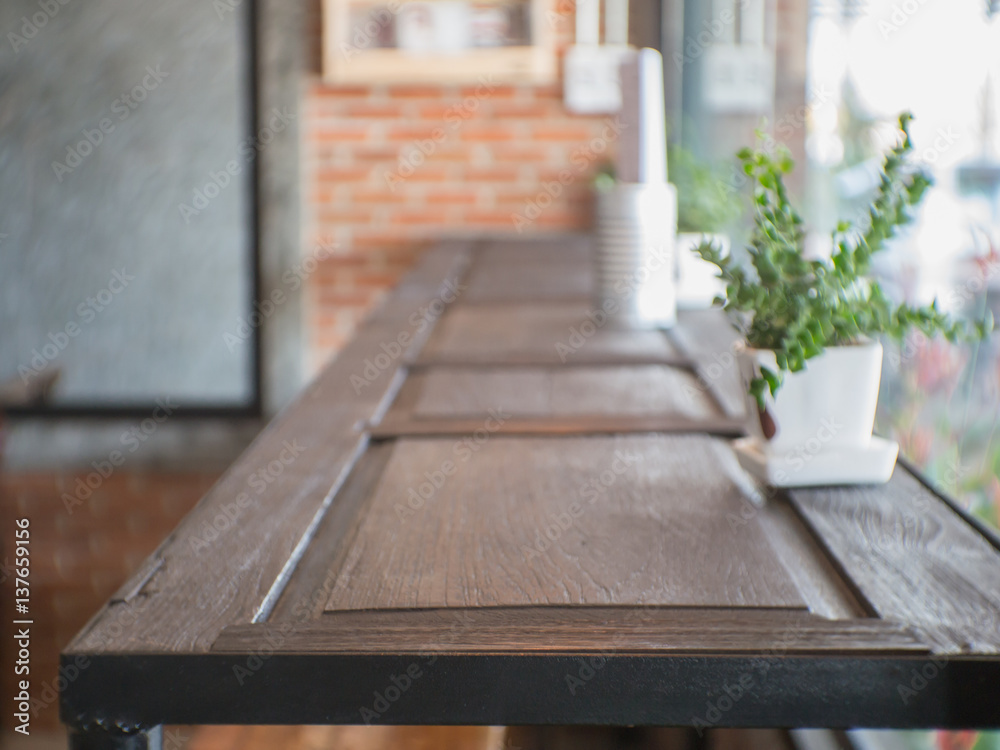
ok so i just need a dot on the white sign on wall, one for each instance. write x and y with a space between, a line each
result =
738 78
592 82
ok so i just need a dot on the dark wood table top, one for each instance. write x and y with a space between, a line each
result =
496 507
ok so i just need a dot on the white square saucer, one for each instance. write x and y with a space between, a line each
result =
830 466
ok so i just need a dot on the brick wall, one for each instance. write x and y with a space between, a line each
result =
79 559
388 169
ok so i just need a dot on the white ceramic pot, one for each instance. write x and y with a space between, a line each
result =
634 259
830 405
698 283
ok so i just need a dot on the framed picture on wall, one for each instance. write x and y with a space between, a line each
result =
437 41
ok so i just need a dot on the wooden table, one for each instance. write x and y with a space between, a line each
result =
496 507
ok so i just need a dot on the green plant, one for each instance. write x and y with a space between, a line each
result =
798 306
704 202
604 177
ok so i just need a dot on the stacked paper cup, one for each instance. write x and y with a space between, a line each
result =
637 217
636 228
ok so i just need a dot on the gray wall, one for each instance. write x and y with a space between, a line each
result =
65 233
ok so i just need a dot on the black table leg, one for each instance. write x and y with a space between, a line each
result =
100 738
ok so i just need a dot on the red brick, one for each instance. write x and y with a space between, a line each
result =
339 133
489 218
509 154
549 92
484 92
415 92
451 113
566 133
343 174
452 198
344 216
521 111
381 239
377 280
368 154
373 110
478 133
505 172
426 172
379 197
515 200
452 152
337 299
413 133
419 217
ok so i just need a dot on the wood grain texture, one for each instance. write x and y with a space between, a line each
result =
548 521
308 591
541 333
569 630
913 559
512 556
560 392
565 249
306 596
710 341
815 576
228 555
534 270
401 425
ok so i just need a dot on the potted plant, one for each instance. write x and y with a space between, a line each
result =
812 361
706 207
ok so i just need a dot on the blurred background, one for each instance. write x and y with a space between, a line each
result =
200 199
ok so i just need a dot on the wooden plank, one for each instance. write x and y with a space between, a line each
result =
710 341
444 268
815 575
402 425
574 630
538 281
541 333
308 591
569 249
638 519
232 554
912 558
561 392
521 270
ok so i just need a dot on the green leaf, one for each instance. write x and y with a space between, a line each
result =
772 379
